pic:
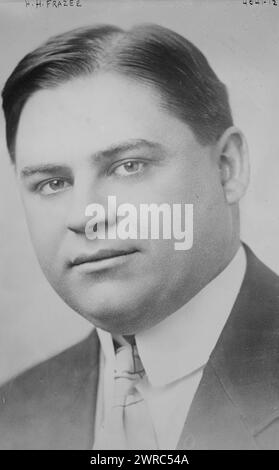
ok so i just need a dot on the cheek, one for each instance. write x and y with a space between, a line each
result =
201 187
168 270
210 216
159 190
45 230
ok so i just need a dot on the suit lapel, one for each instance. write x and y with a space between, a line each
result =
238 394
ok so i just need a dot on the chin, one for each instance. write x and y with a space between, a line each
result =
112 308
120 305
115 318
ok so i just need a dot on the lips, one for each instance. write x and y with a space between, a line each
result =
100 255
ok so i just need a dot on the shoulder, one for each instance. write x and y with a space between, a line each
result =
260 275
57 369
42 397
246 357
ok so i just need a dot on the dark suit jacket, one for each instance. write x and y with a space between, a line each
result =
236 406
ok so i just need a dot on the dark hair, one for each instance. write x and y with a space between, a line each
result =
187 85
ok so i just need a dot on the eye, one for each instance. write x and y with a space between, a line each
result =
130 167
53 186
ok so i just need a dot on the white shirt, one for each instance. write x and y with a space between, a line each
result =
174 353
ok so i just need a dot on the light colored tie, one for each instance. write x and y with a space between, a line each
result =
129 424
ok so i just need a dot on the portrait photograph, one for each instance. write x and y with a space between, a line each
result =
139 226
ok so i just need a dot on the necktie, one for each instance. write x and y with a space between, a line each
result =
128 425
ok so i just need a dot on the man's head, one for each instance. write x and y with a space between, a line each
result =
139 115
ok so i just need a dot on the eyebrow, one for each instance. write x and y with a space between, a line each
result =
112 151
47 168
134 144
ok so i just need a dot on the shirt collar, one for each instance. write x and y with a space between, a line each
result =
183 342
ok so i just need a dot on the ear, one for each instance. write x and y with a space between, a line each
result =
233 162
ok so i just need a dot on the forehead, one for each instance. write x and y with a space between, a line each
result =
88 114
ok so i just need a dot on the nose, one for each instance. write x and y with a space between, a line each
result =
84 195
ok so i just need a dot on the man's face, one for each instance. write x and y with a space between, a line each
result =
106 135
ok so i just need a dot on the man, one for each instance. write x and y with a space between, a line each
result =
185 350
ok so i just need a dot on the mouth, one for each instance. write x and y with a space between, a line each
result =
102 256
